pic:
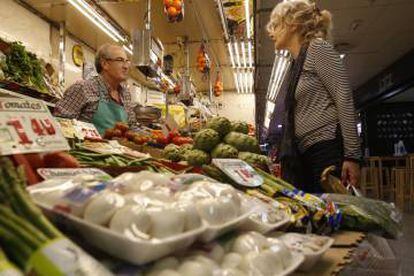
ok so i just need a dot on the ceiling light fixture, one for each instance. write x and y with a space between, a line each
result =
342 56
243 48
231 54
236 50
236 80
250 50
97 19
128 49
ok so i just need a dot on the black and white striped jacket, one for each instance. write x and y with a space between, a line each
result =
324 100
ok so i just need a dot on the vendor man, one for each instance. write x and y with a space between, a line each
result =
102 100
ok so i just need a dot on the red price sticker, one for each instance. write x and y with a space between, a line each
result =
27 126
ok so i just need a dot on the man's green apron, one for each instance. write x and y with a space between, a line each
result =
108 113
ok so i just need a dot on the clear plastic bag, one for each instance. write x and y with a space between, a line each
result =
369 215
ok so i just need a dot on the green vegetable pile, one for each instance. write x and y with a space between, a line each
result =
23 228
92 159
220 139
24 68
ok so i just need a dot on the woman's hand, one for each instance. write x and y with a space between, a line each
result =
350 173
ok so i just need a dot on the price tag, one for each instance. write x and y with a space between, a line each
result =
26 126
87 131
68 127
241 172
49 173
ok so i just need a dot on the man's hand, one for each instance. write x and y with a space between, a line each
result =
350 173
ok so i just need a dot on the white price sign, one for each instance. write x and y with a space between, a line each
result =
87 130
241 172
27 126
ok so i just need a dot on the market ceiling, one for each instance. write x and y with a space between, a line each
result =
201 22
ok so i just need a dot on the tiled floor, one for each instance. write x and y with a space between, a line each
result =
406 245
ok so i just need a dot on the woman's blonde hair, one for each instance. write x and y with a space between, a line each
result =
305 16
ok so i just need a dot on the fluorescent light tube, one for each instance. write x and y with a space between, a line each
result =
128 49
97 19
231 54
243 48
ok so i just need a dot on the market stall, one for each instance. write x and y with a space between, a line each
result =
198 208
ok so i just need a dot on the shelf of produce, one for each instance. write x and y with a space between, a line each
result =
10 89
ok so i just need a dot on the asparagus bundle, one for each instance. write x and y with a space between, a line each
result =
24 230
6 267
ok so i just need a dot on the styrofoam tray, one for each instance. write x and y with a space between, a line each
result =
310 258
213 231
134 251
263 227
297 261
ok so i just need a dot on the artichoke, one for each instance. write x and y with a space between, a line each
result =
184 148
220 124
240 127
206 139
242 142
196 157
224 151
172 152
253 158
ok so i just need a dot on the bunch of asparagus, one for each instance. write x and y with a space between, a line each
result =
23 227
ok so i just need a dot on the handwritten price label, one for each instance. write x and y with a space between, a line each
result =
27 126
87 131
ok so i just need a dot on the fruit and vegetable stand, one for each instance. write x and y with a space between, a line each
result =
207 204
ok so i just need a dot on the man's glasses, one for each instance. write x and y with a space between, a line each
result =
120 60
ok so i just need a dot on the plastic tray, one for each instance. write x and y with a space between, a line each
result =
297 260
214 231
134 251
310 258
263 227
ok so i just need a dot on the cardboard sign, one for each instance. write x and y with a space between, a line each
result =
26 126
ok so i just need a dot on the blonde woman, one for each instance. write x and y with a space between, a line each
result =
319 126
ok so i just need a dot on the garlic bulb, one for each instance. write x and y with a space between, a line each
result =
279 248
166 222
166 263
102 207
232 260
132 221
250 242
192 218
192 268
217 210
265 263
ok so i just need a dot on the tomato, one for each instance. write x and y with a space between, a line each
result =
182 140
121 126
162 140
